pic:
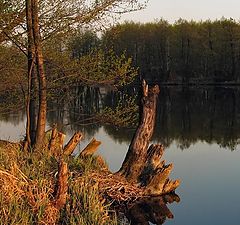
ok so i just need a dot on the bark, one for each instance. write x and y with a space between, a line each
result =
36 122
72 144
31 56
91 148
33 106
143 165
52 210
62 185
55 139
42 111
53 142
137 152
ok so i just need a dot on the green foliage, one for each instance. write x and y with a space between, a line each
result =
106 68
94 68
13 79
125 114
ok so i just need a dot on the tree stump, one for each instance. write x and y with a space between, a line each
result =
52 210
142 164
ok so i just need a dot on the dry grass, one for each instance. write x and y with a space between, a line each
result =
113 187
27 183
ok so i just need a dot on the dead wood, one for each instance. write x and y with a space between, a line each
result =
53 141
62 185
91 148
142 164
52 211
137 152
72 144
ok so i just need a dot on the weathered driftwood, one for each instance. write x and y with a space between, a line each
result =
72 144
142 164
91 148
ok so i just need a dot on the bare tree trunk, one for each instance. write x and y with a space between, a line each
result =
33 106
142 164
31 56
42 111
137 152
52 210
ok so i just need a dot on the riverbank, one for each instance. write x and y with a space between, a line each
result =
28 182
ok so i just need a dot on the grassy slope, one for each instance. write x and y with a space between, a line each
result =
27 183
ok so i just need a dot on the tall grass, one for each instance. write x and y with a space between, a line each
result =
27 181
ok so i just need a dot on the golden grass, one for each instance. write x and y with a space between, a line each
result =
113 187
27 182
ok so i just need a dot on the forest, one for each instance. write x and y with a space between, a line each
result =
189 52
183 52
41 181
186 52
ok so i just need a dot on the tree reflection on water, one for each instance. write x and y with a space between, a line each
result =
185 115
152 210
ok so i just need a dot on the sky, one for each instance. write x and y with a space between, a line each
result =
172 10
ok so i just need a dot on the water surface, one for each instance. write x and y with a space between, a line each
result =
200 129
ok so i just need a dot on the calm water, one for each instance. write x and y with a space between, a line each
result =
200 129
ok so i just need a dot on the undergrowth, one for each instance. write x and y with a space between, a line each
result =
27 181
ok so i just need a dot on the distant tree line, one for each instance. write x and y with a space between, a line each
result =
183 52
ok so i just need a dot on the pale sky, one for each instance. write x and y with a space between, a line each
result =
172 10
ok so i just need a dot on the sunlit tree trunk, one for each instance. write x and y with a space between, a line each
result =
31 56
42 111
35 129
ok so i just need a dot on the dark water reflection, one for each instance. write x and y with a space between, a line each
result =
185 115
200 128
151 210
189 115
